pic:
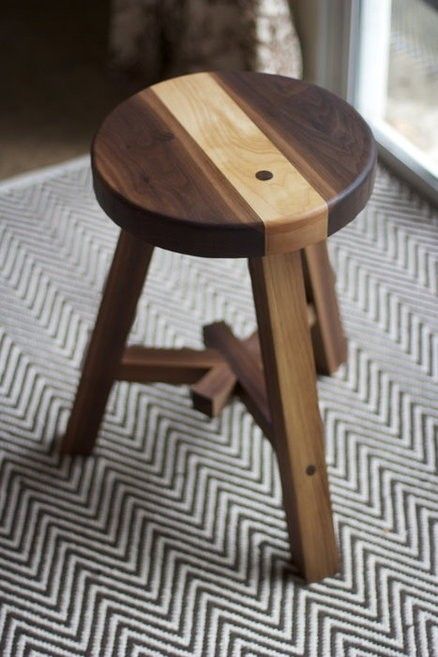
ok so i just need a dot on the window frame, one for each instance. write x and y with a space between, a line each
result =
337 36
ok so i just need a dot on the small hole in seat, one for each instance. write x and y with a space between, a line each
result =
263 174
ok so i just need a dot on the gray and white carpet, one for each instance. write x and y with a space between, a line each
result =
171 540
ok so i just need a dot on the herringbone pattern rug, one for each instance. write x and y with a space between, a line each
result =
171 540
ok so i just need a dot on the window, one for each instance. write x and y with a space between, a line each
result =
394 46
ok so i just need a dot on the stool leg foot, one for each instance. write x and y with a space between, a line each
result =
116 314
280 302
329 343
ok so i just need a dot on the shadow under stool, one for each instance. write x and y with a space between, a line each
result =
240 165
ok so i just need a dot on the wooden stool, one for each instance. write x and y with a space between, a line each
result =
242 165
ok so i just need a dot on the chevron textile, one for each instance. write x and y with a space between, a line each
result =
171 540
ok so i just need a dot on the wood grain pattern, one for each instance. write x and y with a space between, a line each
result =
328 338
211 393
178 164
247 369
280 302
325 137
286 202
152 179
149 365
116 313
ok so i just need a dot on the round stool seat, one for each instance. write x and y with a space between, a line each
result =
233 164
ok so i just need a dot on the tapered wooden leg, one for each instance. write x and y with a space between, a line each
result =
288 360
116 314
329 344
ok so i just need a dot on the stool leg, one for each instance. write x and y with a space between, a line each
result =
280 302
329 344
116 314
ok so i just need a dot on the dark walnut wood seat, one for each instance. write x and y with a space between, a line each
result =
235 165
